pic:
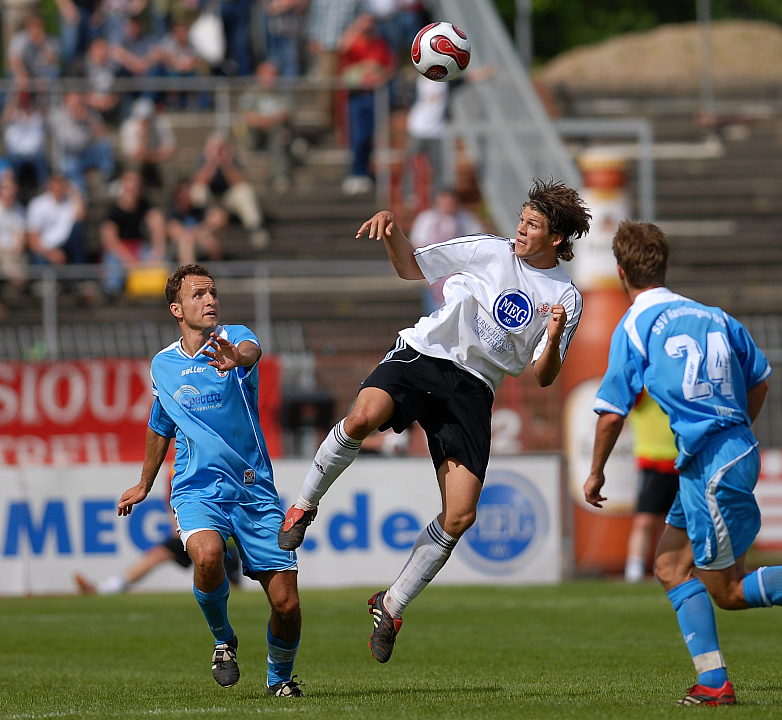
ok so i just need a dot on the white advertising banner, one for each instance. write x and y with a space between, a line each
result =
57 522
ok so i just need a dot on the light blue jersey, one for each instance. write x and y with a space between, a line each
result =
221 454
696 361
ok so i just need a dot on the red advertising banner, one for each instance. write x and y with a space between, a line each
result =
94 411
768 493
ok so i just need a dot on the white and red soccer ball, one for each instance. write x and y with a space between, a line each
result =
441 51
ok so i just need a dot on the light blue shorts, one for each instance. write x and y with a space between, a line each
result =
254 528
715 503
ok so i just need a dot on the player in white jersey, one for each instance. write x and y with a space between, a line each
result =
205 389
507 302
708 375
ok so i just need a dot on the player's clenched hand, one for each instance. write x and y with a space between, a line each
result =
224 354
378 226
131 497
556 321
592 487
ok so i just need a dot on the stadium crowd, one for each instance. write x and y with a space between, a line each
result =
73 142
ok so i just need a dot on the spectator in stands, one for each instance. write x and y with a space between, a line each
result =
446 219
32 54
147 141
237 21
134 233
115 18
12 239
101 72
55 231
80 142
426 125
161 16
267 113
411 17
175 56
386 14
133 52
219 177
79 25
366 63
15 14
25 142
195 231
327 22
284 25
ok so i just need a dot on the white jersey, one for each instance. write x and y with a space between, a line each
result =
496 308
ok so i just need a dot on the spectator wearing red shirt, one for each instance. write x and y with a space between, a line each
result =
366 62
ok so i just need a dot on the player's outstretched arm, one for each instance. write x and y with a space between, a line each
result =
155 451
384 226
227 356
609 425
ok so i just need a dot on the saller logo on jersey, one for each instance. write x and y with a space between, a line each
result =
513 310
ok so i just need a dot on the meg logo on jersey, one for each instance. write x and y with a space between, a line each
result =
191 398
513 310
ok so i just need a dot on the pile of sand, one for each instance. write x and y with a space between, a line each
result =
669 57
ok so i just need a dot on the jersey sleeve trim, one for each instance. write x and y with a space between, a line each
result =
601 406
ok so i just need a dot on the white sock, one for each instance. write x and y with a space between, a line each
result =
335 453
430 552
112 585
635 569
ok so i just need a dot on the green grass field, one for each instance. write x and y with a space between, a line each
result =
579 650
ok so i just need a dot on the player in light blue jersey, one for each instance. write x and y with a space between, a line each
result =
205 388
709 376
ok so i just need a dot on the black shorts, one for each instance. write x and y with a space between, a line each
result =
451 405
232 566
174 544
658 491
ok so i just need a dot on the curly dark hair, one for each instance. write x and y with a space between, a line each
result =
641 250
565 211
174 282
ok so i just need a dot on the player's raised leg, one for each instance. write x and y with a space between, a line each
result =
372 408
211 589
283 632
460 490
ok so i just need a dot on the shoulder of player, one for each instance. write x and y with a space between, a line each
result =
482 240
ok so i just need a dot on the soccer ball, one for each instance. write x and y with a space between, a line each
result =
441 51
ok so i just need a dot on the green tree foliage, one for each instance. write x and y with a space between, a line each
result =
559 25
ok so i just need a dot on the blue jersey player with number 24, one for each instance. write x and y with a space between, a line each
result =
205 388
707 373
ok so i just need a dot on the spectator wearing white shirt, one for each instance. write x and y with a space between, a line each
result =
54 224
25 141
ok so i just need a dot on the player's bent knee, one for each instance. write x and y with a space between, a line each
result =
669 575
286 607
360 423
729 599
457 525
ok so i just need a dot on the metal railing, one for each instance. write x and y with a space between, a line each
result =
501 119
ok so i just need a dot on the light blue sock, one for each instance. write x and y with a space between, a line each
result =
695 614
763 587
282 655
214 605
